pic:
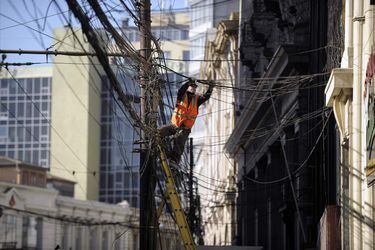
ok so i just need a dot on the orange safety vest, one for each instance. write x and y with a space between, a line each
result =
185 115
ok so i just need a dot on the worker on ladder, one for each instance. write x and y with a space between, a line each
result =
183 118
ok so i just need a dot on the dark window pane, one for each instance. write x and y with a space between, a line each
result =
20 109
12 109
28 109
127 178
36 108
45 82
186 55
110 179
28 134
12 134
3 131
103 156
4 83
44 154
12 87
36 133
20 133
29 86
4 107
135 180
44 106
11 154
37 86
44 130
35 157
118 177
21 86
103 180
28 156
185 35
20 155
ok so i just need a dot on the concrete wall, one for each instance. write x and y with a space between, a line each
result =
75 130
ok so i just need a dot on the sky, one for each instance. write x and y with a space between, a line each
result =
20 21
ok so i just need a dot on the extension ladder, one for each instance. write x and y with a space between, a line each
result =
174 200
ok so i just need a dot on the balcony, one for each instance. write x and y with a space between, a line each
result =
340 82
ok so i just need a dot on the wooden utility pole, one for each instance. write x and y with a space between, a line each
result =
148 225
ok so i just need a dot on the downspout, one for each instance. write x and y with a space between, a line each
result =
347 61
357 132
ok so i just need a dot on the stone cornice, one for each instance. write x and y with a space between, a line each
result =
281 59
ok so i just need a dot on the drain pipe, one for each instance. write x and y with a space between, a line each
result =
357 132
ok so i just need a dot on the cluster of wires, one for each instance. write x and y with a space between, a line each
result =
123 81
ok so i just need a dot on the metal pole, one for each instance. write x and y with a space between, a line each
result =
147 239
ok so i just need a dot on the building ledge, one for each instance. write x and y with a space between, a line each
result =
340 81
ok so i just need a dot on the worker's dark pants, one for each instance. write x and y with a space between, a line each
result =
182 134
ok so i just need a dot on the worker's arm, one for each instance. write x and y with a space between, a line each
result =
181 91
202 99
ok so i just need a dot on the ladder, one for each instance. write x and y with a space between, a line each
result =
174 200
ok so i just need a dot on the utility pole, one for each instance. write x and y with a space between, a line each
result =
199 219
148 226
191 190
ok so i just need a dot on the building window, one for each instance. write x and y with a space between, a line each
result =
65 237
167 54
36 86
12 87
4 83
39 233
201 12
21 86
8 230
105 240
78 243
3 131
186 55
20 110
185 35
93 239
3 92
